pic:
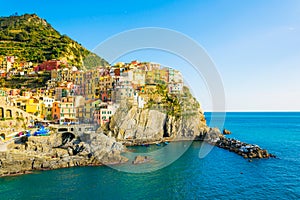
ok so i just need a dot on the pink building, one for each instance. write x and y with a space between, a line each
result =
104 112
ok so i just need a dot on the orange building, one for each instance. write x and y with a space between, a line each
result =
56 111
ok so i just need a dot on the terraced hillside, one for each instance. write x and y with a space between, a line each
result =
31 38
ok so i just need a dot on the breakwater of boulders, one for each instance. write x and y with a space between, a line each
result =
248 151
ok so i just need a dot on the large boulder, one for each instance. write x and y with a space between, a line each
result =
226 132
140 160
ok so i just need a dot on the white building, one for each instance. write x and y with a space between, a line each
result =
139 77
175 88
175 85
106 112
122 94
48 102
138 100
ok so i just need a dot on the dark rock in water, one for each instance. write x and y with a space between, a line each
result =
140 160
226 132
248 151
272 156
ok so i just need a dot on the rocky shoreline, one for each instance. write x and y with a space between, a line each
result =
59 151
96 149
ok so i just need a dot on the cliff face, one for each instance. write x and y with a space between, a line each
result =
134 123
161 121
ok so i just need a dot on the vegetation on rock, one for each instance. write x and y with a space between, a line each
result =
18 82
31 38
173 104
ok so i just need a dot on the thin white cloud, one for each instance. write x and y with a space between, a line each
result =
291 28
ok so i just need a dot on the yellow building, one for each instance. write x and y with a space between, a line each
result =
33 106
120 64
80 113
49 93
89 108
150 78
43 111
21 102
89 86
17 66
78 77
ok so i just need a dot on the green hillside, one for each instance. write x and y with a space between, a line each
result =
31 38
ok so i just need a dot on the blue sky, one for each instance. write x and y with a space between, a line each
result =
254 44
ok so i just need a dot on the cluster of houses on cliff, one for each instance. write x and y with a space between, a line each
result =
92 96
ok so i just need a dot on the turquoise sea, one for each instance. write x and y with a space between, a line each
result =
219 175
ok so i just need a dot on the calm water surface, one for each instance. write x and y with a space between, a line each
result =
220 175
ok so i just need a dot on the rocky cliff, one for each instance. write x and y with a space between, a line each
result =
59 151
168 117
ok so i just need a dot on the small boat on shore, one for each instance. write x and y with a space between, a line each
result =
41 132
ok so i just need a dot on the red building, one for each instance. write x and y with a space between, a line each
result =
48 65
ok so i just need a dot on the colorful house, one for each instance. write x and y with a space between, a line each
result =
56 111
3 93
48 65
33 106
104 112
139 78
89 108
67 109
47 108
175 81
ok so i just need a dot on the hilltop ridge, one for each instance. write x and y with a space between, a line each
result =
32 38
